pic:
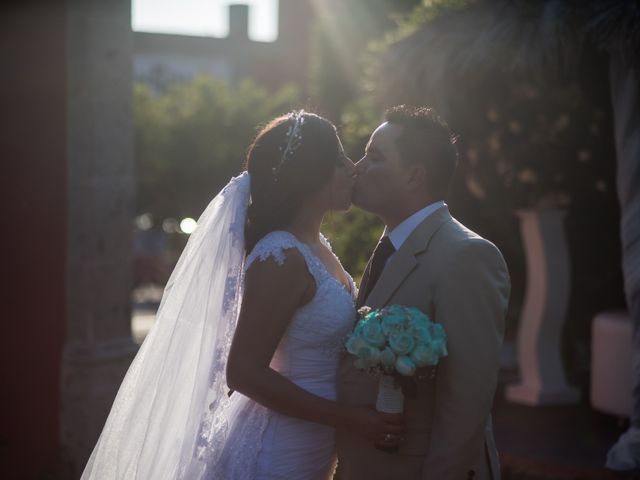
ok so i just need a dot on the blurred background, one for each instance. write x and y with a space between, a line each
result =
123 118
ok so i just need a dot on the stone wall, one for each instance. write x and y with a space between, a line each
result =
100 198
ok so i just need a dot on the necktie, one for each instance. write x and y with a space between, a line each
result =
381 254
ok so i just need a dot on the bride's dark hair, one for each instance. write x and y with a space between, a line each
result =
278 184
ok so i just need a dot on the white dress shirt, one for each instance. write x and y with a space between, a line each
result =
405 228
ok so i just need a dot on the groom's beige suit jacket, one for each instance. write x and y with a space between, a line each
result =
462 282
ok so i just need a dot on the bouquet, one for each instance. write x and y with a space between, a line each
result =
394 342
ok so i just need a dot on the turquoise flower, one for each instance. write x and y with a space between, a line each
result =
401 342
424 356
396 339
439 347
355 343
422 333
387 357
394 310
369 356
405 366
392 323
437 331
417 315
371 332
373 315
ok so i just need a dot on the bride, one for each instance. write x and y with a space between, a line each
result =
258 304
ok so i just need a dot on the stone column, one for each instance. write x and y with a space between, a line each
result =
98 346
542 378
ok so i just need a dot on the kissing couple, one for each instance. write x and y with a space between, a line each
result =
245 375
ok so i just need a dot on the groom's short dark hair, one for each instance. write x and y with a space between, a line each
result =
427 139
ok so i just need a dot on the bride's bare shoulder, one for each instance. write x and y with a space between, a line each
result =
280 276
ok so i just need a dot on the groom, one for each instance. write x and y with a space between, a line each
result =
426 259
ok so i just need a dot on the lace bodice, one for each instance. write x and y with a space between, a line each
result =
322 324
274 445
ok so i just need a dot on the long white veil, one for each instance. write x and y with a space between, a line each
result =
159 426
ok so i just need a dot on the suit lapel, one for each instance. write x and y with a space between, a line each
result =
399 267
404 260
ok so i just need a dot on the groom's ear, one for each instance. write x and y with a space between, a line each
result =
417 177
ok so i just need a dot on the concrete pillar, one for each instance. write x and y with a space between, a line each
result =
98 346
542 374
239 23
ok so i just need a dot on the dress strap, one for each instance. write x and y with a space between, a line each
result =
274 244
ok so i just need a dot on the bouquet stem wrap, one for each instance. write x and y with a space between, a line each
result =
390 398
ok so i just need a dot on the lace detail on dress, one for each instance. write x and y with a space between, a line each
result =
228 453
331 294
274 245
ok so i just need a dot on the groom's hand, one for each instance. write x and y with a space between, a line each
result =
375 426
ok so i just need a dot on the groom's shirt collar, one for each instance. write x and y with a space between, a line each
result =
402 231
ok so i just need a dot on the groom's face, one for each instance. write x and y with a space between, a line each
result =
381 175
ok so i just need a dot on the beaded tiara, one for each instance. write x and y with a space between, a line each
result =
293 139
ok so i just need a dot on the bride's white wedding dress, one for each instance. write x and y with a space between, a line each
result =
172 418
285 447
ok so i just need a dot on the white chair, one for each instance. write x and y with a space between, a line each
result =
611 341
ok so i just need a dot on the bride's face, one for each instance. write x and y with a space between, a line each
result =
340 187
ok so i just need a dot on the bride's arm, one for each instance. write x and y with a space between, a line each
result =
272 295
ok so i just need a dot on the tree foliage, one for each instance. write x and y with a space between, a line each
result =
339 84
531 136
191 139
